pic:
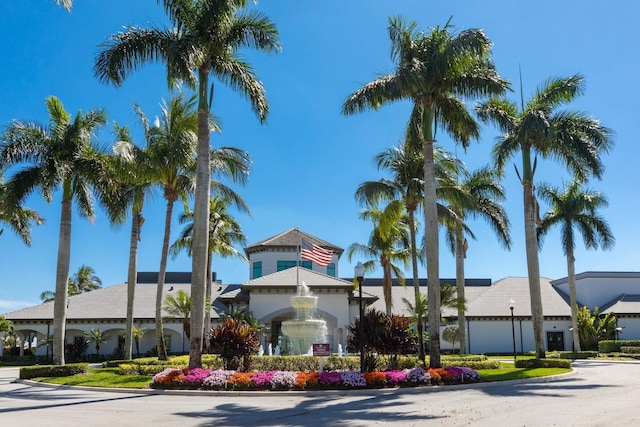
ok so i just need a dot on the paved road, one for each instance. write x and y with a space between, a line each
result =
595 394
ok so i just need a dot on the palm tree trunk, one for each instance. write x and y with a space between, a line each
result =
416 280
162 349
573 300
62 278
533 267
460 255
131 281
207 311
200 224
386 286
431 240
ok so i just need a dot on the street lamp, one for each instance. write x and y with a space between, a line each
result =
512 304
359 273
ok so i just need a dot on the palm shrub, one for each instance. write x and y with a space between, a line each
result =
595 327
236 341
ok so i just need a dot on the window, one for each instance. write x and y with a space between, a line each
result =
283 265
331 269
257 270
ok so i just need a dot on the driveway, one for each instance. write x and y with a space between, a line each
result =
595 394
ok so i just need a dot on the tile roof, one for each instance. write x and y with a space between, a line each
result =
108 303
624 304
290 238
287 278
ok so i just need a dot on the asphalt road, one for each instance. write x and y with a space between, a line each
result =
595 394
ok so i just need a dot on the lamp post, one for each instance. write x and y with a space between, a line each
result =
359 273
512 304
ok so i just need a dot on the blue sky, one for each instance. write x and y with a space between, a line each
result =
309 159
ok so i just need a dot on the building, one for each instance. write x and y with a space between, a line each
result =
276 269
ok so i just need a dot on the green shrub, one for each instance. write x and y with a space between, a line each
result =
577 354
610 346
53 370
473 364
134 369
543 363
630 350
465 358
7 360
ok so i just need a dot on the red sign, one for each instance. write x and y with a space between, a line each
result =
322 349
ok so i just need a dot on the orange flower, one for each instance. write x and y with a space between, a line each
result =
306 378
240 378
375 377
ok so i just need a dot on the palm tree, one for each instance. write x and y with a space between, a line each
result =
387 245
479 197
171 153
224 233
405 187
60 157
432 70
575 207
84 280
97 337
179 307
133 184
18 218
540 129
206 39
67 4
137 332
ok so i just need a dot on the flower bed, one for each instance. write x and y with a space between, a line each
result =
206 379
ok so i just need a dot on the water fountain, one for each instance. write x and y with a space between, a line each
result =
303 331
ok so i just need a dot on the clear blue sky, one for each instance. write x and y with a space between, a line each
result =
308 159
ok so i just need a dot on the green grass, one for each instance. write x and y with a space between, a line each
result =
508 372
109 377
102 377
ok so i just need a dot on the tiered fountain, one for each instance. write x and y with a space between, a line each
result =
303 331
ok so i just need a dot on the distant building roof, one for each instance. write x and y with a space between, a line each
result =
293 276
291 239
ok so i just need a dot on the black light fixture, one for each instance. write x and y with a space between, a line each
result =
359 274
512 305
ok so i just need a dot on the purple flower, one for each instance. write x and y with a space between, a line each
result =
327 378
396 377
262 378
283 379
217 379
196 376
462 374
417 375
353 379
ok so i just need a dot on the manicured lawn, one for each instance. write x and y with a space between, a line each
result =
103 377
109 377
510 373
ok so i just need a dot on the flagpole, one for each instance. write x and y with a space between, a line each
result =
298 258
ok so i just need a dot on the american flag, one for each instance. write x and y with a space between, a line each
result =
315 253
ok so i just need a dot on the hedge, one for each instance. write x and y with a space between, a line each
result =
630 350
29 372
543 363
577 354
610 346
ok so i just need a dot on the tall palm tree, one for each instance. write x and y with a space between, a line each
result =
134 179
224 233
575 207
432 71
481 196
405 162
171 152
205 40
388 244
539 128
58 157
18 218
